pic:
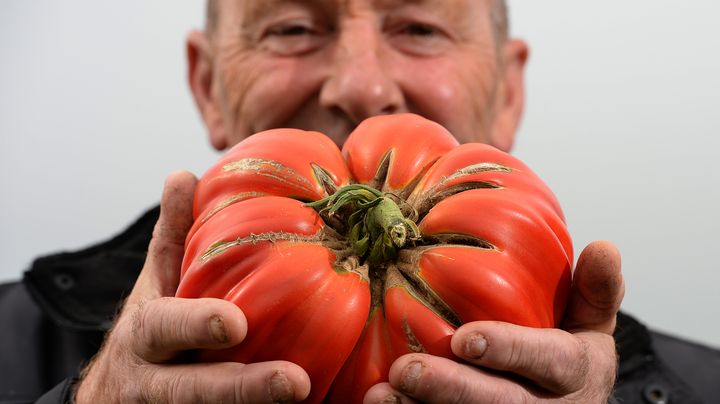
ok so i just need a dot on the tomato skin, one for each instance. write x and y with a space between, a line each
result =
239 220
491 244
368 364
527 186
298 290
405 313
272 162
524 245
414 142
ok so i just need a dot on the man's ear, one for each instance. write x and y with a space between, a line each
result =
200 77
511 97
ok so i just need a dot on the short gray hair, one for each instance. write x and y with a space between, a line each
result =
498 18
211 15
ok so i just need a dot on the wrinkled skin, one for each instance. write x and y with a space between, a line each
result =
326 65
139 359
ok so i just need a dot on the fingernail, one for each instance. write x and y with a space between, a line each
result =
218 330
391 399
281 390
410 376
475 346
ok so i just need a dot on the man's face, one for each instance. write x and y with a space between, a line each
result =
326 65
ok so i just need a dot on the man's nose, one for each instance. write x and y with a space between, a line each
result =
359 82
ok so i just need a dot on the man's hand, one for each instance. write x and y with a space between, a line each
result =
141 358
513 364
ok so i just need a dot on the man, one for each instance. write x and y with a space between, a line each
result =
324 65
338 62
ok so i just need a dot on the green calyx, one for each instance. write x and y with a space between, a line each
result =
377 227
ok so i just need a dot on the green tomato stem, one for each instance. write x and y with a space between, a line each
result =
376 226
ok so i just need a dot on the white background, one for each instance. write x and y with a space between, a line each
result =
621 121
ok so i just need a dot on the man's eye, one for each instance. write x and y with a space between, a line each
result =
419 38
294 38
290 30
420 30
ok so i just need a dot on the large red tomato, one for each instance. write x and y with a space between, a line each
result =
343 261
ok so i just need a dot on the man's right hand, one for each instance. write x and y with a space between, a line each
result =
142 357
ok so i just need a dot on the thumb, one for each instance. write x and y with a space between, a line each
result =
161 272
597 290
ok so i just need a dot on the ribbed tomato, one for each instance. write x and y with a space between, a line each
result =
343 261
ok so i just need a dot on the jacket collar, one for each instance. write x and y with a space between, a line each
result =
83 290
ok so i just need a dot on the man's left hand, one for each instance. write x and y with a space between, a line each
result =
510 363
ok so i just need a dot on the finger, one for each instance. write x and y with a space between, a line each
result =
432 379
161 272
551 358
597 291
162 327
384 393
266 382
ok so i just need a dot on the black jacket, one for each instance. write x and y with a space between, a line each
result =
54 321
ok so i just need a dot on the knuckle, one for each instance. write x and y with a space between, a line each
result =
183 388
582 363
605 361
240 393
459 384
152 325
137 317
463 392
517 357
148 331
569 368
250 385
150 388
183 325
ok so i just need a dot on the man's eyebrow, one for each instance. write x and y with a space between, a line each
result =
439 6
397 3
263 7
253 10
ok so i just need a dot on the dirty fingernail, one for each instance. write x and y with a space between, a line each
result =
281 390
391 399
475 346
410 376
218 330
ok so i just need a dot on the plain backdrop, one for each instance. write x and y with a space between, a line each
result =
621 121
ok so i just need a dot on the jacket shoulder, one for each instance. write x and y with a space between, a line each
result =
81 290
658 368
19 341
697 364
53 321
